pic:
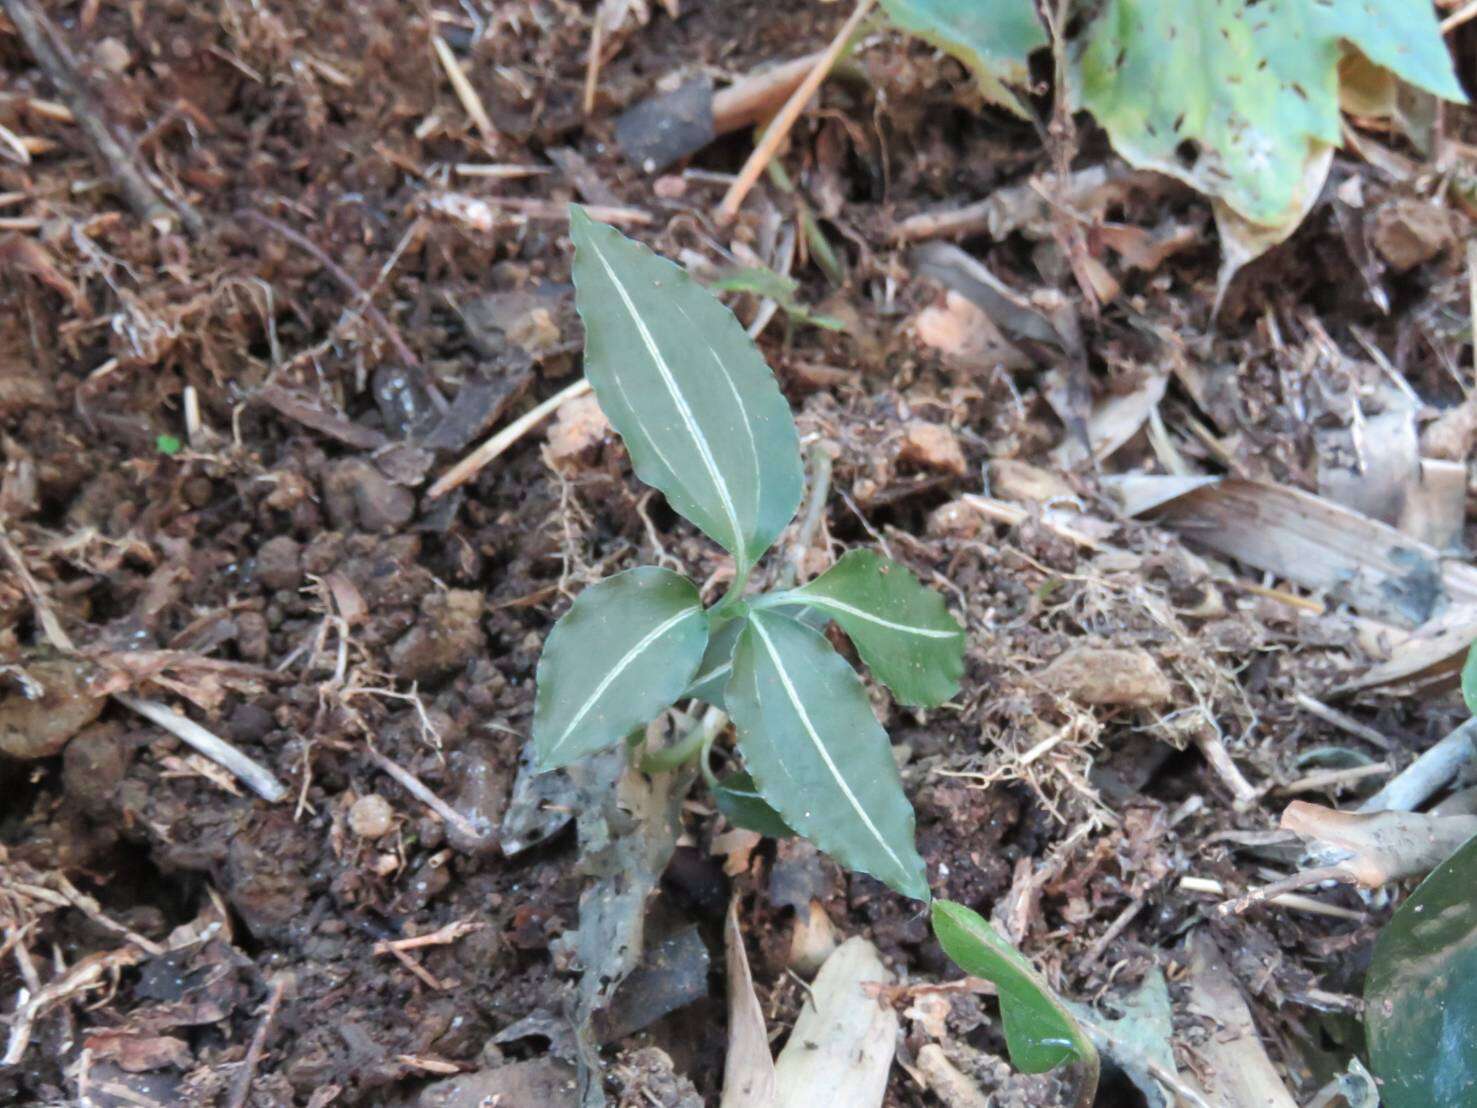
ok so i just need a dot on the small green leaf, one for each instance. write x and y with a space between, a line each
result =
1228 95
677 376
168 444
992 37
760 280
1039 1031
1420 1000
1469 679
741 803
901 629
622 653
818 754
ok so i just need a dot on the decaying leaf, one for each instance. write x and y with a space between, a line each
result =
1381 846
748 1070
842 1045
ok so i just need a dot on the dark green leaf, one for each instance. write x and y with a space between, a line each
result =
817 752
677 376
739 800
901 629
622 654
1420 1001
1039 1031
717 664
992 37
1469 679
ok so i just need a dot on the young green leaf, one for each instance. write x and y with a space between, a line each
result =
623 652
1469 679
677 376
1420 1000
901 629
1039 1031
817 752
1249 86
740 801
992 37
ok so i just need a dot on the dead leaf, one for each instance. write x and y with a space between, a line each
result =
139 1053
748 1070
1383 846
841 1048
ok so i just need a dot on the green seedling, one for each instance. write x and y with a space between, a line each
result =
704 423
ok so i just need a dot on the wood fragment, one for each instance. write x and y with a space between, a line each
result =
474 462
756 96
440 937
1428 774
412 784
779 128
1343 722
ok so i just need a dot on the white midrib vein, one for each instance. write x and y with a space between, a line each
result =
620 667
699 439
841 606
820 747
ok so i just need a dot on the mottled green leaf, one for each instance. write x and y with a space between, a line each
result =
992 37
700 412
818 754
623 653
740 801
1039 1031
1229 95
1420 1000
1469 679
901 629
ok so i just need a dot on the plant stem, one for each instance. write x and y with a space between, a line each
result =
685 749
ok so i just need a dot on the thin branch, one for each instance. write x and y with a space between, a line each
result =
473 463
255 776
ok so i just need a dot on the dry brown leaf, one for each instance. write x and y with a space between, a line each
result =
748 1071
1385 846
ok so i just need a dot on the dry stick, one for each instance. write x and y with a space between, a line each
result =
1300 880
1428 774
779 128
412 784
337 272
255 776
473 463
1458 17
36 32
1328 778
440 937
241 1087
1342 721
471 102
1295 901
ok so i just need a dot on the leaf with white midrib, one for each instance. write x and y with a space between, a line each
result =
700 412
816 752
623 653
900 628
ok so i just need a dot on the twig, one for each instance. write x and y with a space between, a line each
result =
255 776
84 975
779 127
241 1087
1424 777
1342 721
1219 758
38 35
70 896
426 976
338 273
1116 928
440 937
1329 778
1293 901
1276 889
473 463
412 784
471 102
815 511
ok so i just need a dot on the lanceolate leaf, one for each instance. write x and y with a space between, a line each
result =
992 37
739 799
622 653
1228 95
1420 1001
1039 1031
677 376
817 753
901 629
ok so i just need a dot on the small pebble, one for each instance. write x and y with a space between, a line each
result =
371 816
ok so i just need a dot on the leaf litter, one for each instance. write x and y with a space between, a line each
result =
1305 547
